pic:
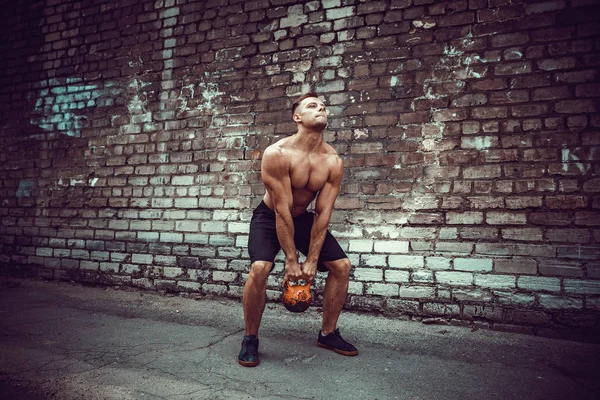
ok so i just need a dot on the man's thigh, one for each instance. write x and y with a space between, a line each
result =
331 249
263 244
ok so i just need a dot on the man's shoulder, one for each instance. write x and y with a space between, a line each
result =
334 162
331 153
275 156
277 147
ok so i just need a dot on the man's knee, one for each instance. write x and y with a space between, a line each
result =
340 268
259 271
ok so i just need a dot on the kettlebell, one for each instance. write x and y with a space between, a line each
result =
296 298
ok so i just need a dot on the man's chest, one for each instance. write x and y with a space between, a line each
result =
309 172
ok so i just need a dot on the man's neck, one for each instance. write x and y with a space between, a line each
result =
308 140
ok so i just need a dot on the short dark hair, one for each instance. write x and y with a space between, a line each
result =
297 102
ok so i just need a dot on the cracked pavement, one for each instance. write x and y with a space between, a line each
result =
65 341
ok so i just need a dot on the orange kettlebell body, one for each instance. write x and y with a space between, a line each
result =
296 298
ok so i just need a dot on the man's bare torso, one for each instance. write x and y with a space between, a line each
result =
309 171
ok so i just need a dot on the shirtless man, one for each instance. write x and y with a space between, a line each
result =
295 171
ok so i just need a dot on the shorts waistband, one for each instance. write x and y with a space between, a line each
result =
262 206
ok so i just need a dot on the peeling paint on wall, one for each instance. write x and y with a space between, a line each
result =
200 96
82 181
482 142
569 158
59 106
136 63
295 17
361 133
139 102
210 94
453 68
185 92
137 107
395 80
424 24
168 44
450 51
25 187
517 53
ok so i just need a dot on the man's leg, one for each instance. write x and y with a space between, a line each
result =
255 294
254 299
336 287
336 290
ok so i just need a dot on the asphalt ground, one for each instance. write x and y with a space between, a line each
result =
60 340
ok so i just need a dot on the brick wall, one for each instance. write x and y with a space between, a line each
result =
131 134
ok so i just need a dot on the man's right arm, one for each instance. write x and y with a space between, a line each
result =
275 169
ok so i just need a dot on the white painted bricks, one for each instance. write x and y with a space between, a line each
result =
405 261
360 246
371 260
417 292
368 274
391 246
539 283
397 276
495 281
473 264
454 278
382 289
438 263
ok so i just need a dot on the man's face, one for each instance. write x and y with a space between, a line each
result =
311 112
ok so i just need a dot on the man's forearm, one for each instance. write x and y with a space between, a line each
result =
317 237
285 233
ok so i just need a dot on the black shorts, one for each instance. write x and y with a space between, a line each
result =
263 244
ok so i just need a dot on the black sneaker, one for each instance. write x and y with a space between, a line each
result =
249 354
335 342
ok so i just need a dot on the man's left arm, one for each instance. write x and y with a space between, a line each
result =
323 210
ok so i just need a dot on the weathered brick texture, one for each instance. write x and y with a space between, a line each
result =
131 134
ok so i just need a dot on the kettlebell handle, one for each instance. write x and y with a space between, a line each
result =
306 285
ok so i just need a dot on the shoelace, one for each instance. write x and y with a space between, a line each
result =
251 347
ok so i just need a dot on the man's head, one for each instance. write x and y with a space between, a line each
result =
309 111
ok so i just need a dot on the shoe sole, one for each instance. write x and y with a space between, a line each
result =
248 363
342 352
